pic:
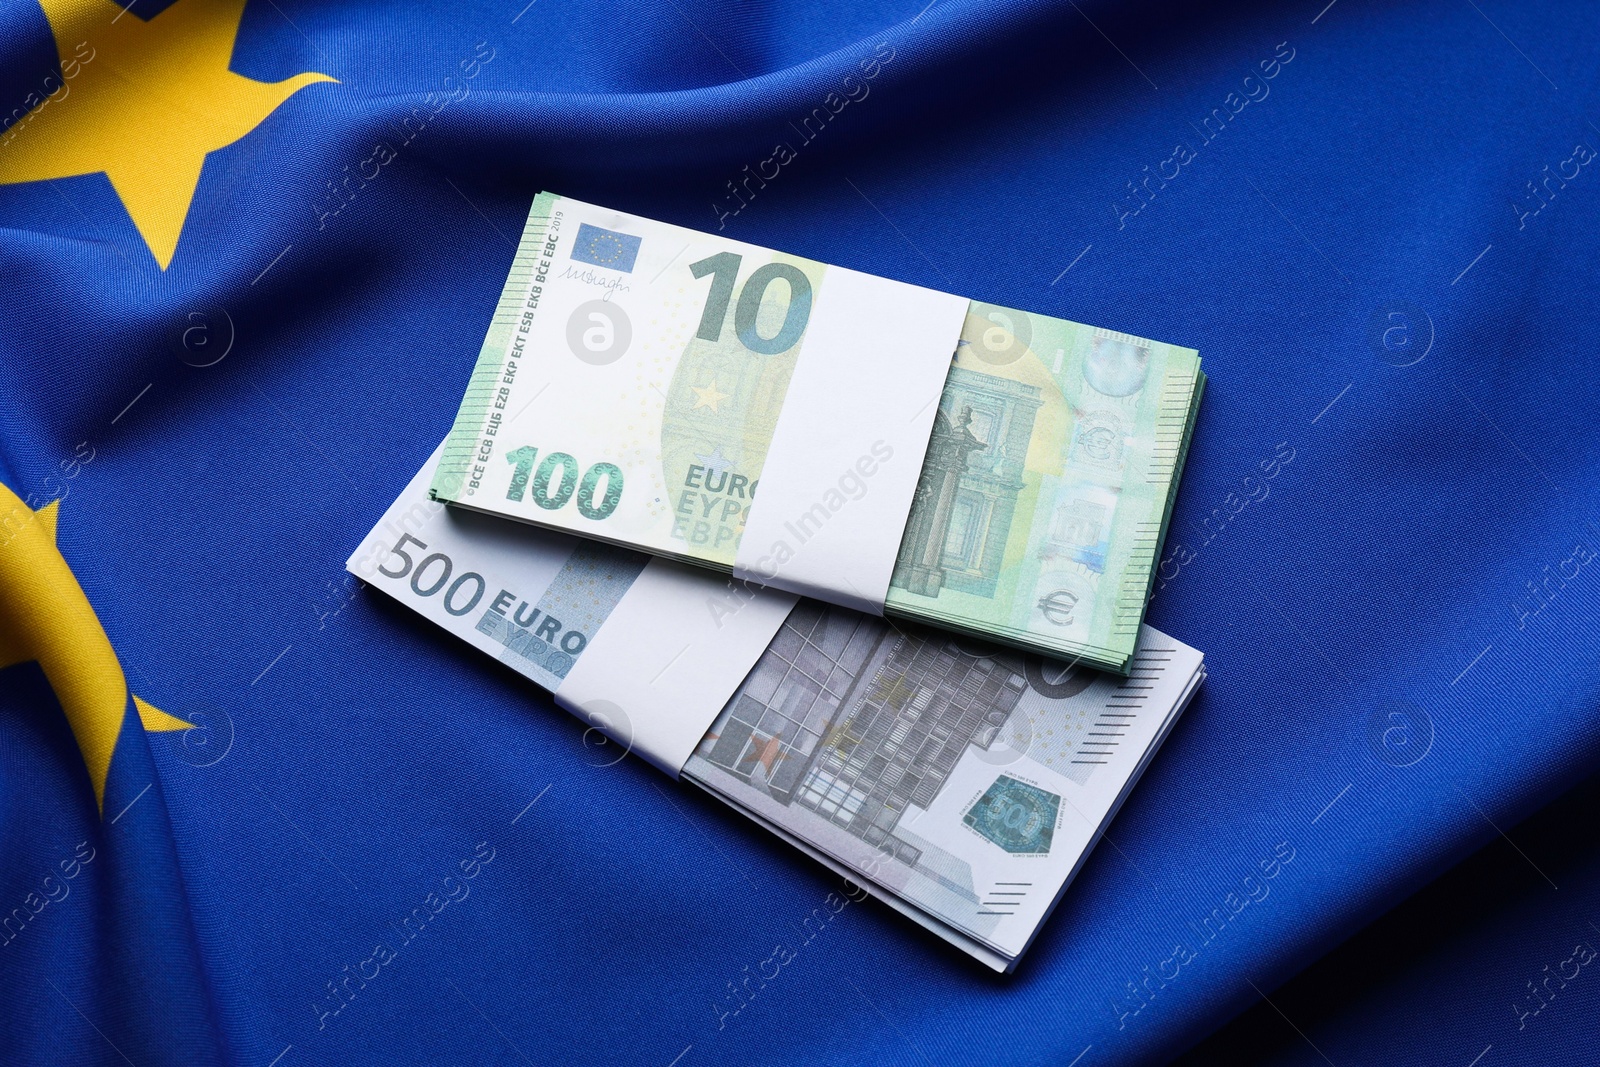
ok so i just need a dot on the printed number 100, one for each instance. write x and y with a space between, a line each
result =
553 498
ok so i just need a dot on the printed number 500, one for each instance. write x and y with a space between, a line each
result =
454 596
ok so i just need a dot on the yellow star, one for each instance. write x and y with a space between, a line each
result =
45 617
708 397
146 102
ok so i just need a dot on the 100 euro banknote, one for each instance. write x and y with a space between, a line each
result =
862 441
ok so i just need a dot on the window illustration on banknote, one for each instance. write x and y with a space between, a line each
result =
913 706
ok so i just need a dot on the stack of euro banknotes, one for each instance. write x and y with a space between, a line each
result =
865 561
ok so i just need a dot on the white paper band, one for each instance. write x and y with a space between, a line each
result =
662 667
846 454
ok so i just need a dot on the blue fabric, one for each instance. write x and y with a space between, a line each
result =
1394 298
1493 963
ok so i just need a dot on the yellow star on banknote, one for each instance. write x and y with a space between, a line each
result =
708 397
148 101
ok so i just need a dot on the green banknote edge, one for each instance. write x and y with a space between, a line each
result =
1117 659
1197 391
472 417
1172 497
1177 476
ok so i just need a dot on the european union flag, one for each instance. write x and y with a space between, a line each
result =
249 249
606 248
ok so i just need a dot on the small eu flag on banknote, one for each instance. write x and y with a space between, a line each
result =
606 248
